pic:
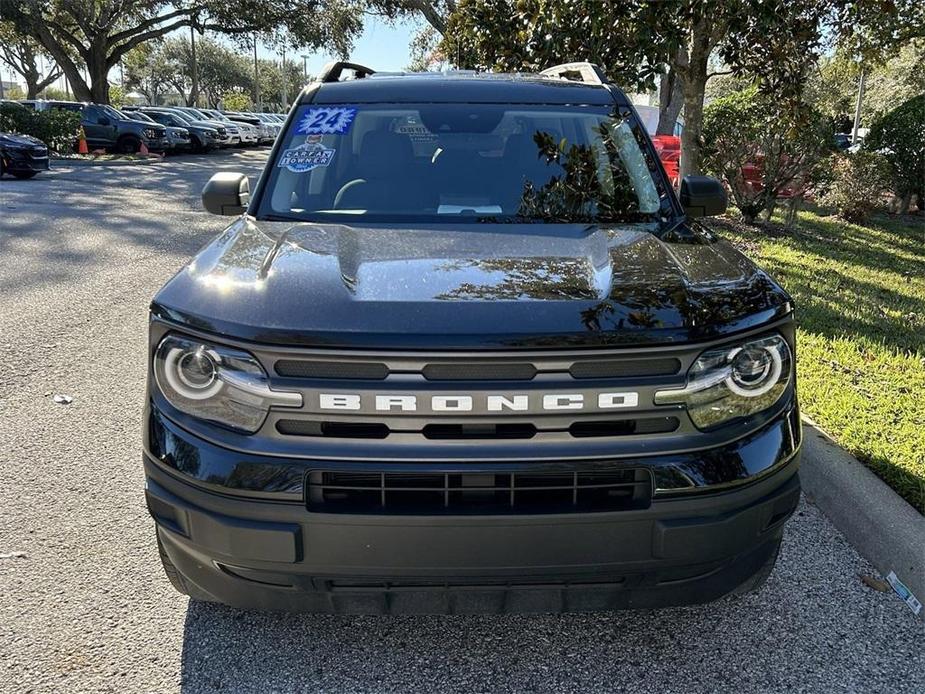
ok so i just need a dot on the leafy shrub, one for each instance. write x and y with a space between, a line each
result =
763 150
857 182
57 129
900 137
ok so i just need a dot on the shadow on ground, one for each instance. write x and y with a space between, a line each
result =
815 627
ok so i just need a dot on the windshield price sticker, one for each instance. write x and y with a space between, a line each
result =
326 121
306 157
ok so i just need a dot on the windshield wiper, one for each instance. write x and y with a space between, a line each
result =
278 218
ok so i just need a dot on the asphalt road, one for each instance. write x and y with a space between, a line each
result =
84 606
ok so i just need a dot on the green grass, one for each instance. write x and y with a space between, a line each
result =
860 299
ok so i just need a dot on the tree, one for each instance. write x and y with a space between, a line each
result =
638 41
762 148
102 32
146 72
435 12
832 87
22 54
900 137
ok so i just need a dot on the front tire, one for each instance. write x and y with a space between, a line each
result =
128 145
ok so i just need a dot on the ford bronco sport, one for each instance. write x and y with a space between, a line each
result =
465 350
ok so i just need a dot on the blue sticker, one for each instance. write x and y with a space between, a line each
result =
306 157
334 120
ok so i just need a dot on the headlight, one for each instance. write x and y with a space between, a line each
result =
734 381
216 383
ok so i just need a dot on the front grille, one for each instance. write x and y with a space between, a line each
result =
486 493
475 371
563 402
475 431
304 368
625 368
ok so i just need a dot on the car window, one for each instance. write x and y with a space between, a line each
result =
92 114
472 162
112 113
178 116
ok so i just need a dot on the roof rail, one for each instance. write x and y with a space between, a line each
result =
589 73
332 71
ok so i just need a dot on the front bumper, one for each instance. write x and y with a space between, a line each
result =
15 160
158 144
246 546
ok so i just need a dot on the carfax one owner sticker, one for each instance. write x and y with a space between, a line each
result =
306 157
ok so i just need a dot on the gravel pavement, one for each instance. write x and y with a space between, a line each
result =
84 606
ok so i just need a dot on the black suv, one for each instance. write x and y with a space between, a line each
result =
106 128
465 350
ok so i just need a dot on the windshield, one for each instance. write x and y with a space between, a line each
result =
113 113
181 116
462 163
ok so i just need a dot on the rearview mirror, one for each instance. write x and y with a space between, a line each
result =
702 196
227 193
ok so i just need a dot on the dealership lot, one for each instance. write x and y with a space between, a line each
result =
84 605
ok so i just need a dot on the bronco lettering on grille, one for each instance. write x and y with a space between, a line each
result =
482 403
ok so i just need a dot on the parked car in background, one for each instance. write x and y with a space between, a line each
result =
271 125
244 133
249 125
203 136
106 128
230 133
22 156
178 136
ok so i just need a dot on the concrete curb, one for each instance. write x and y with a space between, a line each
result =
878 522
60 163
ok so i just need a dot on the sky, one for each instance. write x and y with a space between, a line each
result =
381 47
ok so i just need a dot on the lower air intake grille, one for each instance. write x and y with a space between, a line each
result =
486 493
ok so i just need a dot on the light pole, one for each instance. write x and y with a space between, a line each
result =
194 76
305 67
256 77
284 88
857 108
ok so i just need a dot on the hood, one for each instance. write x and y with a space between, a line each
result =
17 140
472 286
211 124
175 131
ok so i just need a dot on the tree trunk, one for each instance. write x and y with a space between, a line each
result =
793 206
98 71
695 82
670 96
905 203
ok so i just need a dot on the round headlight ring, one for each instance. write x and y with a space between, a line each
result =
193 373
768 376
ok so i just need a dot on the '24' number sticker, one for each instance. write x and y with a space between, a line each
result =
326 121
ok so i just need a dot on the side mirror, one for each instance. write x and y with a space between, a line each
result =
702 196
227 193
103 120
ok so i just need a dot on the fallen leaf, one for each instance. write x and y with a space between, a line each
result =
875 583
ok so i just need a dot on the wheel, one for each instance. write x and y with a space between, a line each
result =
175 577
23 175
761 576
198 146
128 145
